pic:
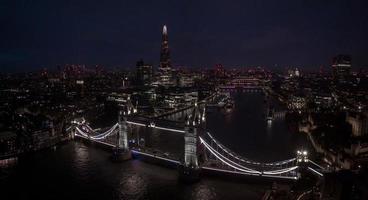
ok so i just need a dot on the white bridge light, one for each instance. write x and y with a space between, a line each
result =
152 124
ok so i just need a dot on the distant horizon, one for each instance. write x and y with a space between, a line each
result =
109 67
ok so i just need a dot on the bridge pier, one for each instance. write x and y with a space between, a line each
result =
122 151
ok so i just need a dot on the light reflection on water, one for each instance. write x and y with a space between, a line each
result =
203 192
246 132
81 160
133 186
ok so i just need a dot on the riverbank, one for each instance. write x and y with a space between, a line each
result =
32 148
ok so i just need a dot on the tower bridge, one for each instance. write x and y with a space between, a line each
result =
202 152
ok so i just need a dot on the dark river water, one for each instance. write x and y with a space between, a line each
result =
78 171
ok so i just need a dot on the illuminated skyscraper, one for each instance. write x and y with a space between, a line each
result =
165 75
341 66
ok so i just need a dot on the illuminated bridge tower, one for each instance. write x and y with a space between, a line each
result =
302 161
189 170
122 151
190 147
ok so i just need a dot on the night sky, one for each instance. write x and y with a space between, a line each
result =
303 33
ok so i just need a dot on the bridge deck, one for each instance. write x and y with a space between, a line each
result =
135 151
237 173
207 169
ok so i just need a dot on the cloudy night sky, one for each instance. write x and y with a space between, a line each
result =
304 33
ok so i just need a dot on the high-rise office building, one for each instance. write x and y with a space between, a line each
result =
144 73
164 71
359 123
341 66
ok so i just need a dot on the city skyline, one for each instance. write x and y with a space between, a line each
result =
301 34
253 99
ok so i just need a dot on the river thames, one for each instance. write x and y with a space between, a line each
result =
79 171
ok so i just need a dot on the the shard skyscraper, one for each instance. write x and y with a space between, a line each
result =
165 75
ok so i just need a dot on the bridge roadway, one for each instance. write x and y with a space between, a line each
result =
206 168
136 151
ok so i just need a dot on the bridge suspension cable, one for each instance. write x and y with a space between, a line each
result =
229 152
99 136
242 168
317 165
216 154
